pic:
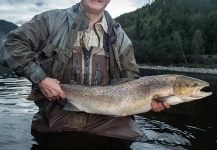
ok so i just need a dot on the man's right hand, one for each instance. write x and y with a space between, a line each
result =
51 89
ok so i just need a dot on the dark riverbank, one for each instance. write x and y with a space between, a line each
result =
180 69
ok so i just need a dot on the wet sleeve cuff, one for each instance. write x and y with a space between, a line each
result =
38 76
34 73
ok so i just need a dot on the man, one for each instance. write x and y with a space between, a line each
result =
82 43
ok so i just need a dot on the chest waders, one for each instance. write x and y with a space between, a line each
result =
88 66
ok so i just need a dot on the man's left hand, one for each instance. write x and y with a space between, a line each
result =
158 106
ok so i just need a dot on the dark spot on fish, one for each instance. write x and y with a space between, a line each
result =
187 85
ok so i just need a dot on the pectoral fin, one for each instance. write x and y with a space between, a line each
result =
164 99
70 107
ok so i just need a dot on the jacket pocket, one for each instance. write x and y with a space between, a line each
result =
47 57
61 59
53 59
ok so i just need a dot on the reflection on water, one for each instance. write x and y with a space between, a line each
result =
13 96
161 135
185 126
15 114
79 141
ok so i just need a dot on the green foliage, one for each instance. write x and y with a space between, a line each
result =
197 43
171 31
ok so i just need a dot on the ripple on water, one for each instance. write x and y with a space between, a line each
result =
15 131
162 135
4 101
14 92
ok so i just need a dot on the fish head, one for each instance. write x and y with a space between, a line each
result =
189 89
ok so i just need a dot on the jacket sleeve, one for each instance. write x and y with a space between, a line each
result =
18 50
127 59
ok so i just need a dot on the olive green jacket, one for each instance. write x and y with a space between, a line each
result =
41 47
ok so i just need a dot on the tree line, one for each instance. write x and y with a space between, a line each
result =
173 31
6 27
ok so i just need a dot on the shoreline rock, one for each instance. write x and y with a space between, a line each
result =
180 69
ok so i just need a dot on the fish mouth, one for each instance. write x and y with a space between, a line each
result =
200 94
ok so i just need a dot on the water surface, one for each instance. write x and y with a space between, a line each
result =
190 125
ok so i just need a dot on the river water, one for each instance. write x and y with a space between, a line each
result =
190 125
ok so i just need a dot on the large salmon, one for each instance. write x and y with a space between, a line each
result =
135 96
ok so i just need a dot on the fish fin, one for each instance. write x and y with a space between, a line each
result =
70 107
163 99
121 80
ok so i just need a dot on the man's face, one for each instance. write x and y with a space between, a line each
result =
94 6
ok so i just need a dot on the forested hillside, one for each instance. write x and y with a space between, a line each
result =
6 27
173 31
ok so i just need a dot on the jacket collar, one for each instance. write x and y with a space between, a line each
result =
77 18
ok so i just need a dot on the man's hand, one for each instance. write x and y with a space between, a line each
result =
51 89
157 106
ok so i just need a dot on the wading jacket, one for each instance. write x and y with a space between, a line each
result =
41 47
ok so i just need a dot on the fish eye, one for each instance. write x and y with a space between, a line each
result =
195 84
